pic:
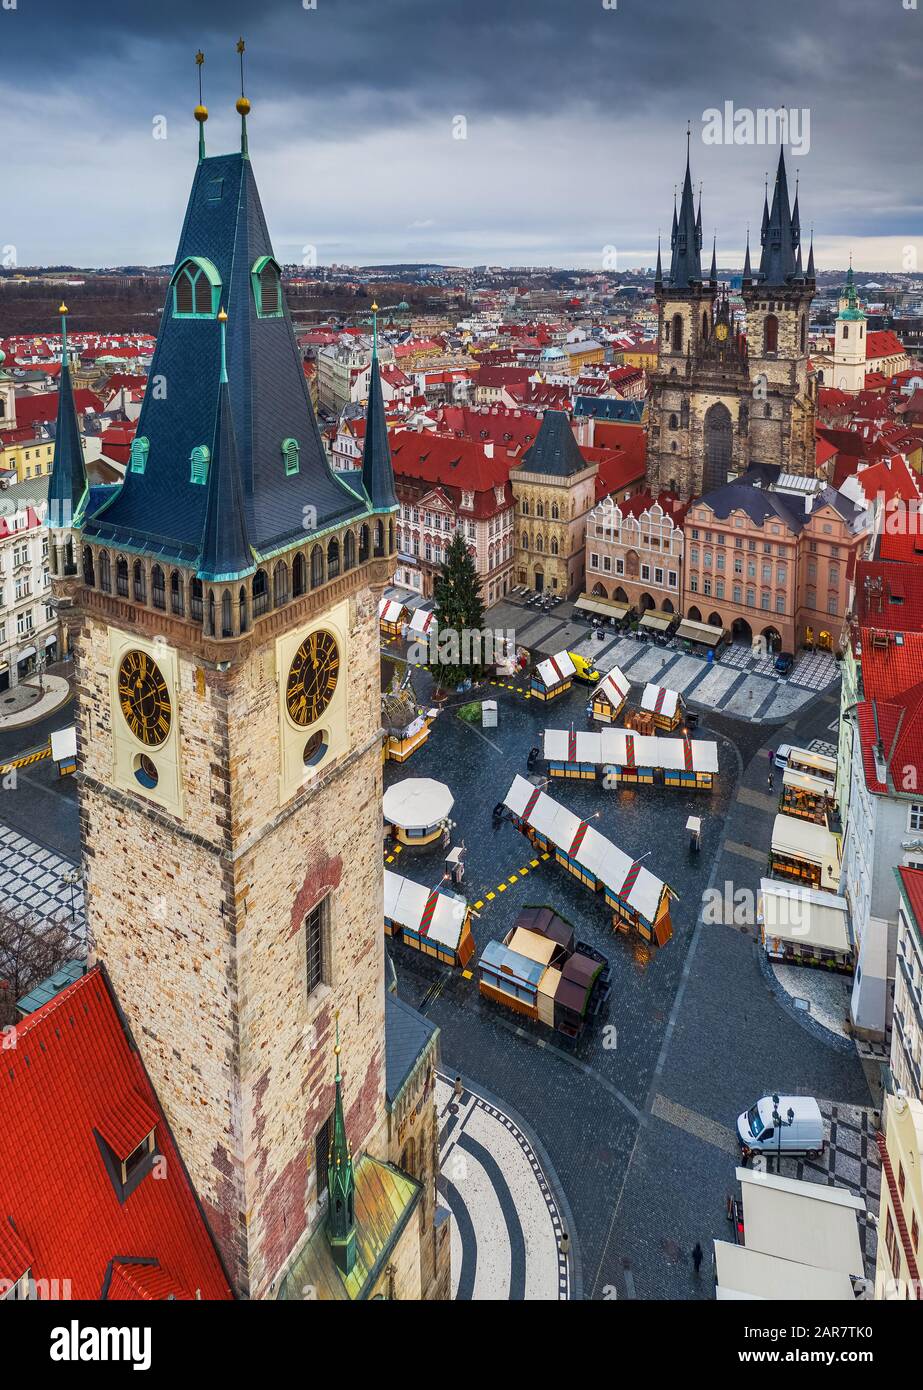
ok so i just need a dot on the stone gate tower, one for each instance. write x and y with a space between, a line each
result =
222 602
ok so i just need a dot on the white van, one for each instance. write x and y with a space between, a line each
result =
756 1129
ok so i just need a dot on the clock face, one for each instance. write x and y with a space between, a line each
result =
312 678
144 698
721 332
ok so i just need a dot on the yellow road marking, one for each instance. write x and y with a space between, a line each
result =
479 904
511 879
490 897
501 887
467 975
533 863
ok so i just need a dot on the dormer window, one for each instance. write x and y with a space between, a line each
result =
198 464
196 289
290 454
139 451
266 279
126 1141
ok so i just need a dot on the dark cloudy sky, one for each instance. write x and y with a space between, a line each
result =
575 115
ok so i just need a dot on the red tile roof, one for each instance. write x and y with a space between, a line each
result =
73 1072
889 596
43 407
883 343
627 449
912 880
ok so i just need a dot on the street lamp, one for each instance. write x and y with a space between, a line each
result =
779 1122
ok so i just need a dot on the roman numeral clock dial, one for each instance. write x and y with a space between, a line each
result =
144 699
312 678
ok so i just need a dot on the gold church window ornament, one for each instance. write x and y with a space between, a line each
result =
312 678
144 699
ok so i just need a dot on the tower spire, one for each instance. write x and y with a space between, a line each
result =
201 111
778 263
243 105
658 273
377 470
226 552
748 273
811 274
68 486
341 1182
686 262
713 273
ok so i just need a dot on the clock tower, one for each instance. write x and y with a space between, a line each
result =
222 604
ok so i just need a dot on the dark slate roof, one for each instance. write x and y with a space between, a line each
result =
780 236
377 473
686 240
68 474
407 1036
609 408
555 450
161 510
757 503
226 550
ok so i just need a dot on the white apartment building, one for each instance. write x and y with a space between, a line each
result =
907 1030
28 626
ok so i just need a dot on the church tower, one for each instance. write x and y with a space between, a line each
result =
695 438
222 602
777 299
850 346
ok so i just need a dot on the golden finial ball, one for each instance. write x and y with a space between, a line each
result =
374 308
201 113
62 309
336 1050
243 106
222 315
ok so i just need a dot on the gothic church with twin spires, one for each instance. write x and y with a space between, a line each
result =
221 605
722 399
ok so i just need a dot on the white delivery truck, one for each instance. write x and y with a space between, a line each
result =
803 1133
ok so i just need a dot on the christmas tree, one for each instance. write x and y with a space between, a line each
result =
459 614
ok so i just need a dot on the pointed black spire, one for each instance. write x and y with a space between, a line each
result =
764 228
377 472
811 275
777 263
68 486
686 262
748 273
658 273
226 552
713 273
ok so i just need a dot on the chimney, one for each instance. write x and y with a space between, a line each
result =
489 449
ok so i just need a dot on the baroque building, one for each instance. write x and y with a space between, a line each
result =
722 399
554 488
222 605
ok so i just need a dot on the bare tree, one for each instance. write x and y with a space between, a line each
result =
31 949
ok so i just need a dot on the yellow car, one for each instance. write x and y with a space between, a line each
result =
584 670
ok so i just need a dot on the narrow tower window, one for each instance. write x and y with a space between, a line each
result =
139 452
266 280
771 334
198 464
196 289
290 454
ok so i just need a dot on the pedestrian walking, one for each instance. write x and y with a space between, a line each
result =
697 1256
770 779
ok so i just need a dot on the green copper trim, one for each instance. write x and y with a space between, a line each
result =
223 325
203 267
198 464
341 1181
256 282
291 454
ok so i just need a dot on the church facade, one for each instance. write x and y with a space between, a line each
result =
222 605
723 399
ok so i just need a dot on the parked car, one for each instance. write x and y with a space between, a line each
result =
784 663
781 756
757 1134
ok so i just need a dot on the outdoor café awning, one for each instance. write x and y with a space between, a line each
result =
604 607
700 632
801 781
25 654
812 844
804 916
657 621
417 803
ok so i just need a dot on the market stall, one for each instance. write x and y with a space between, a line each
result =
433 922
552 677
390 617
538 971
417 810
702 634
608 699
406 727
639 900
624 758
664 706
